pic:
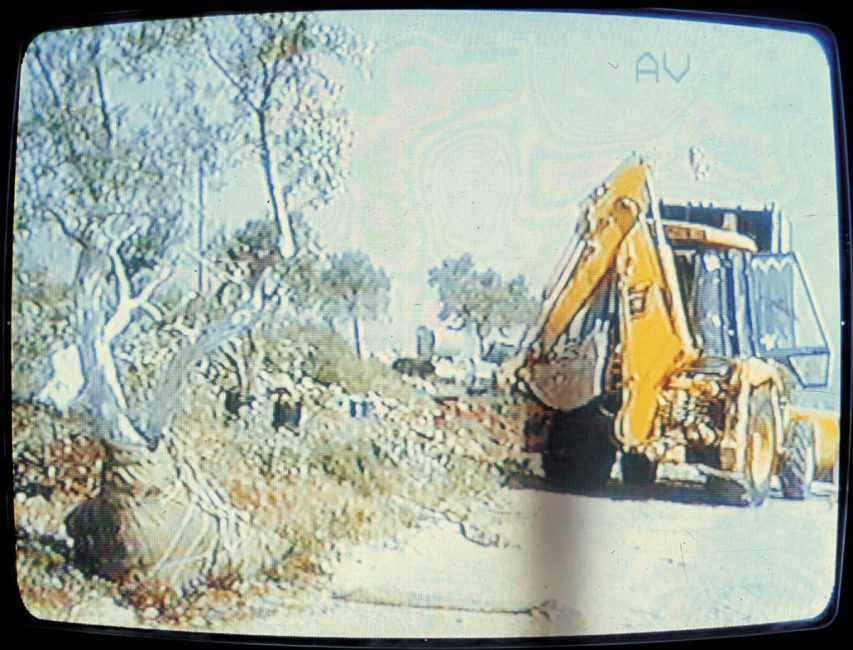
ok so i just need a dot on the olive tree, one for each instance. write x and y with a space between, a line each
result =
357 291
108 180
480 300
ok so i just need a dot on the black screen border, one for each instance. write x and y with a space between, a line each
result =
828 26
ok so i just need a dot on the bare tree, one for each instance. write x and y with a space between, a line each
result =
273 67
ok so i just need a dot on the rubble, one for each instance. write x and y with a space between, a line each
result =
355 465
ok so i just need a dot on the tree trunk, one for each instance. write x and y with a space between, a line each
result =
286 235
356 337
200 229
161 519
157 514
481 341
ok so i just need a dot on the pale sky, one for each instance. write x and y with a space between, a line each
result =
483 131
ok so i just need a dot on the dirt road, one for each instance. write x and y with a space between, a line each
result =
537 562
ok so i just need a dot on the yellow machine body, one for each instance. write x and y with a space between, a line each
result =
623 243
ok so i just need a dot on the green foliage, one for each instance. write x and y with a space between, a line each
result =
480 300
147 252
86 161
330 288
358 289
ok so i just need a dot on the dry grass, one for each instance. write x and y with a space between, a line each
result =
55 468
341 480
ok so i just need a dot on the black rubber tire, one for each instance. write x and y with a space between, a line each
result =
799 471
638 470
726 491
754 486
580 453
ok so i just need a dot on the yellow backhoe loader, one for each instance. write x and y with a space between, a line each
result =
677 334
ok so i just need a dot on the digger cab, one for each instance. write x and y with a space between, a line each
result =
745 292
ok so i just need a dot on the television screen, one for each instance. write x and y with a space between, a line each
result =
491 325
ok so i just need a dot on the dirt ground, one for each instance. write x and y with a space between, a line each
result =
537 562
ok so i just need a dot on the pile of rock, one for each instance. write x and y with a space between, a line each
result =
353 465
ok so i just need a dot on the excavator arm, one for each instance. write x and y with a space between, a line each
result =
617 243
608 217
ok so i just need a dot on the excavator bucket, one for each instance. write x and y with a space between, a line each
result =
572 333
572 374
574 377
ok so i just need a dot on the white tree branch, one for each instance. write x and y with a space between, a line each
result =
166 397
125 307
141 300
222 69
126 303
152 310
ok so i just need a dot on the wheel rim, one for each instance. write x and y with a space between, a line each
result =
762 459
761 435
